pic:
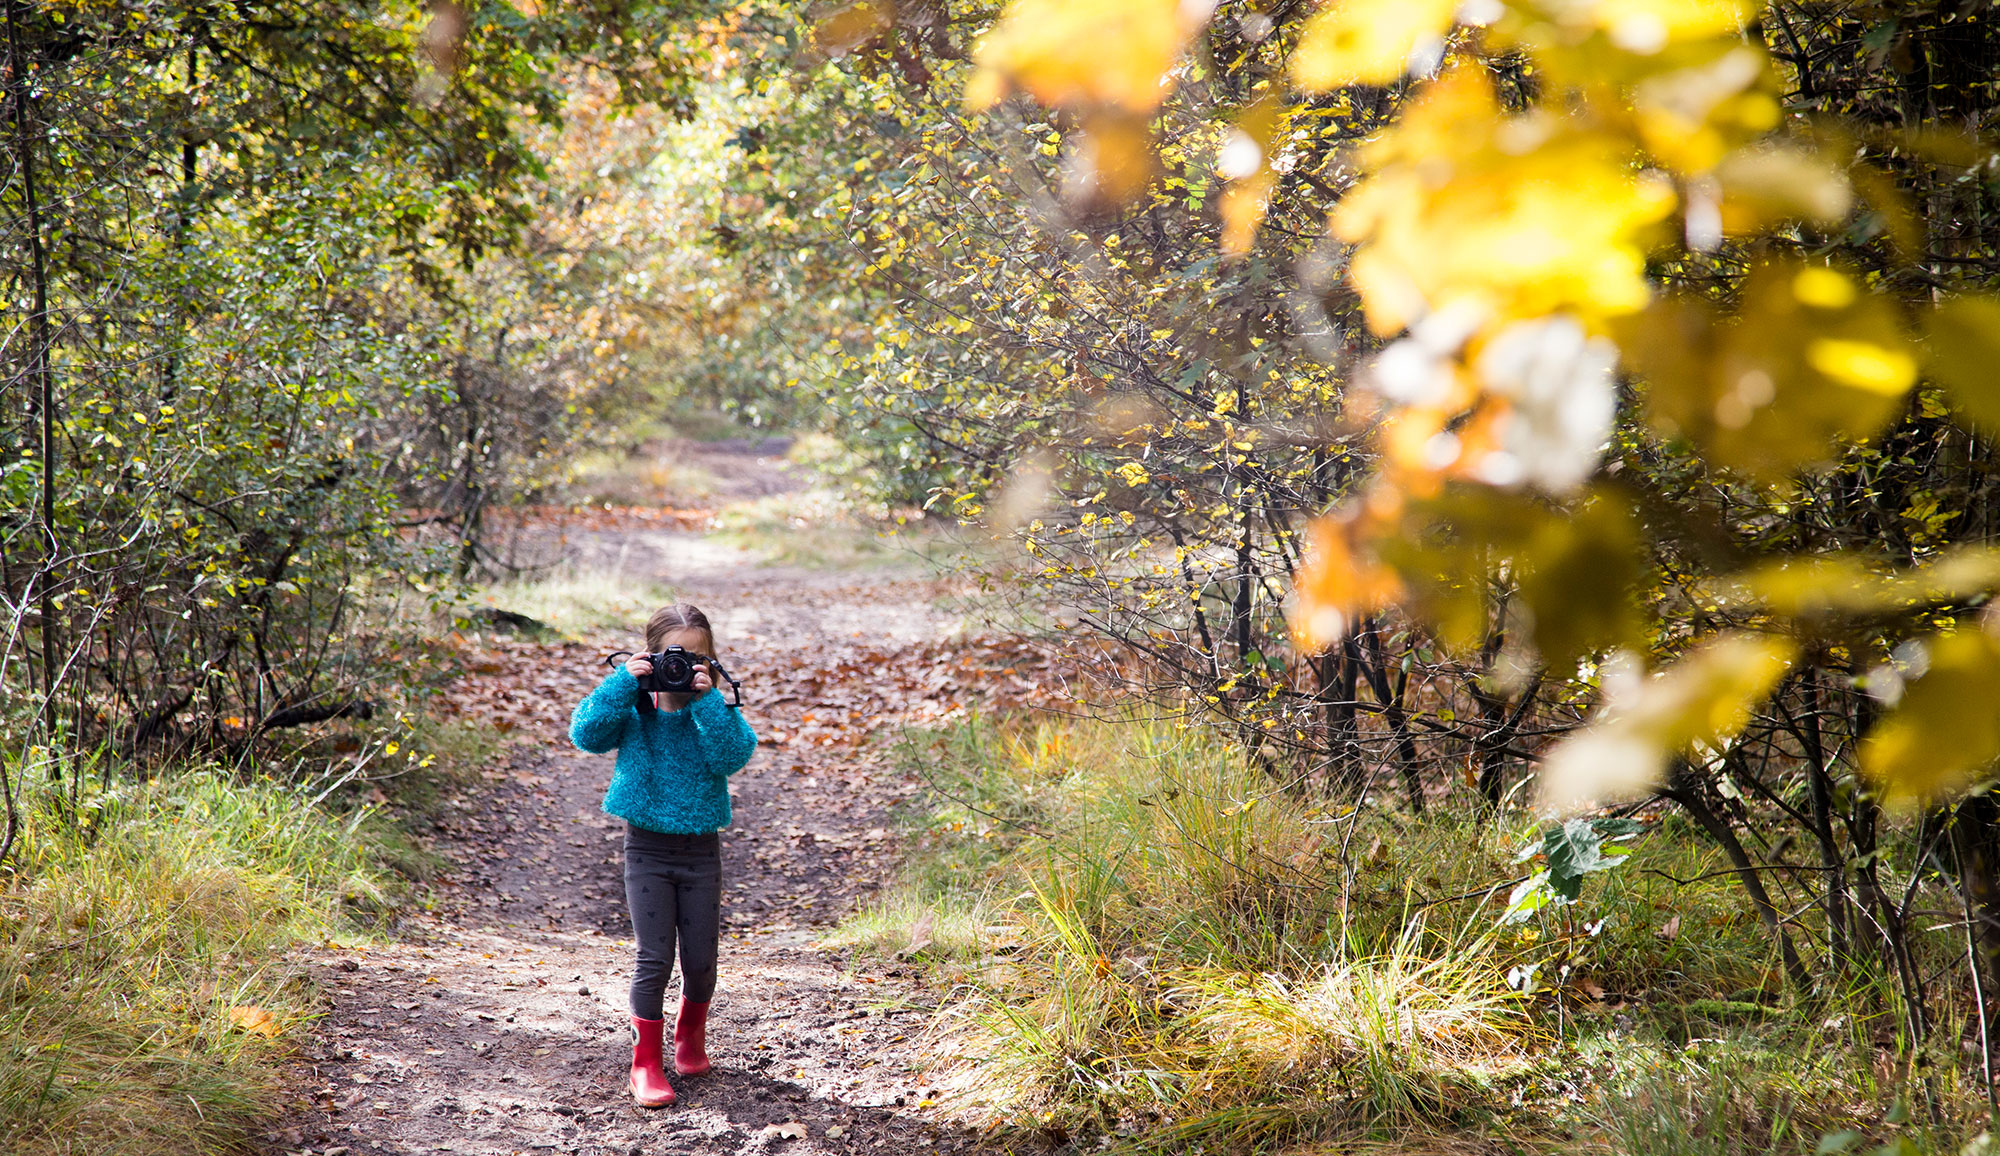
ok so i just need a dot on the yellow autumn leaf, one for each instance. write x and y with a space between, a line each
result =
1579 576
253 1019
1245 160
1769 184
1695 105
852 26
1341 580
1242 209
1848 584
1115 159
1576 567
1444 548
1944 734
1864 364
1081 54
1813 361
1367 41
1516 216
1596 43
1963 354
1647 26
1706 697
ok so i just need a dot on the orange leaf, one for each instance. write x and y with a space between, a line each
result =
250 1018
1341 580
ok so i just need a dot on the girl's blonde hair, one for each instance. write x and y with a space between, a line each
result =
679 616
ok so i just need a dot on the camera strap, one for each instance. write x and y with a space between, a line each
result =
735 688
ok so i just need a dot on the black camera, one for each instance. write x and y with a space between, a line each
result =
673 673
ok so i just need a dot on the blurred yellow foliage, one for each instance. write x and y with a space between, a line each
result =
856 24
1822 585
1245 159
1963 338
1367 41
1108 61
1810 363
1648 25
1765 185
1341 580
1705 698
1519 216
1506 244
1083 54
1944 734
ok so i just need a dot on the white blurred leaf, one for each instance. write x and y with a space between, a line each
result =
1706 697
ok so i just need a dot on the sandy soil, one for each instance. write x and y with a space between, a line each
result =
497 1023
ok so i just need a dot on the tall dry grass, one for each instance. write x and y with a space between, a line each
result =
1151 942
143 995
1153 945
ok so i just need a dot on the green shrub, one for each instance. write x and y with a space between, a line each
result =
142 993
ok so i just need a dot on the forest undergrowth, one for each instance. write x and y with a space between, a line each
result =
152 912
1158 946
146 922
1588 402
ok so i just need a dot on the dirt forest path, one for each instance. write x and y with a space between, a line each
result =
496 1022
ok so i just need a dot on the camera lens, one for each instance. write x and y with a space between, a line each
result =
676 669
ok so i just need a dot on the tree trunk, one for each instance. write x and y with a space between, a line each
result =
1975 837
41 383
1391 698
1683 788
1832 863
1337 681
1488 746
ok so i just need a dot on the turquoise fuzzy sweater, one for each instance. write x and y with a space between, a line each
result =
673 767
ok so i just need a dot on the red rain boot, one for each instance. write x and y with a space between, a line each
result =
649 1083
691 1039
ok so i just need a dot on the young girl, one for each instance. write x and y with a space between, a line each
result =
671 786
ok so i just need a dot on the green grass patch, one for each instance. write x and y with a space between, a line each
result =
143 997
575 601
1155 945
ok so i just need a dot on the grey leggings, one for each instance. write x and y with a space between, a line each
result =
673 887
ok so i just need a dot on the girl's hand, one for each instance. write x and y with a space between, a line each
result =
639 667
702 682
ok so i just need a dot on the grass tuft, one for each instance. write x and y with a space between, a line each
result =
141 929
1156 945
1149 937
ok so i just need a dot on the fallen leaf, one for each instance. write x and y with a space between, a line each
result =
920 936
251 1018
1670 929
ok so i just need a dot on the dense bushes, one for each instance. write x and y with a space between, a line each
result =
300 299
1402 389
